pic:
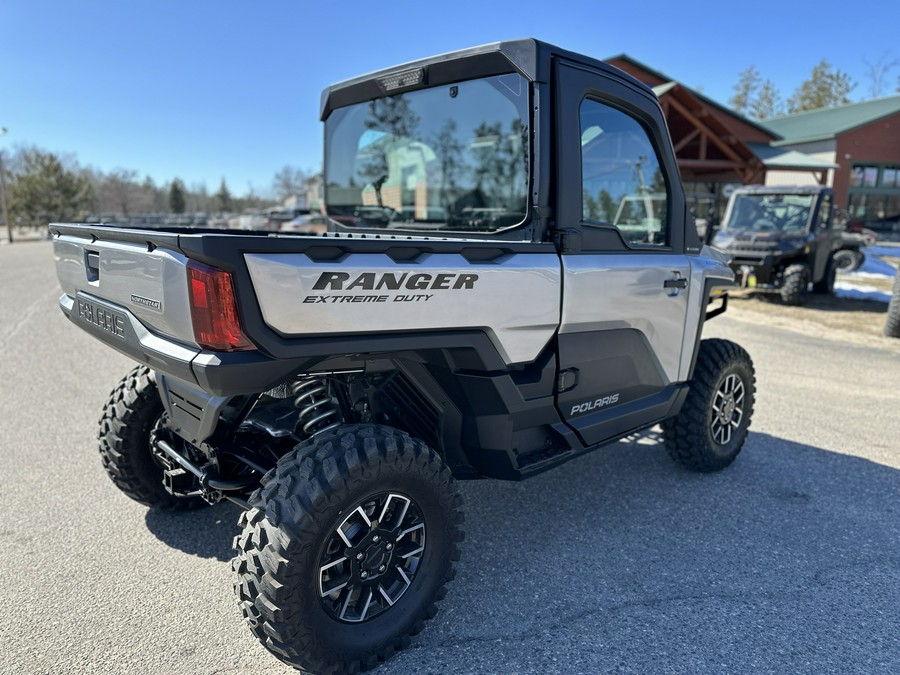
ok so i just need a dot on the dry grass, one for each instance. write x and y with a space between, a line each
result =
824 316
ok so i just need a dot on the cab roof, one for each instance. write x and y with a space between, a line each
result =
530 57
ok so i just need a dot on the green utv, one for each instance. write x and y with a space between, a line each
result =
781 239
482 305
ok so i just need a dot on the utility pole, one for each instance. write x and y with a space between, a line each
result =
3 193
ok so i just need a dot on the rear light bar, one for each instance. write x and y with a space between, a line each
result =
214 310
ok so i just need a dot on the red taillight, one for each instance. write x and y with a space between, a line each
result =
213 310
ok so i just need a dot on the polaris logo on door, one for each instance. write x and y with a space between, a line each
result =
593 405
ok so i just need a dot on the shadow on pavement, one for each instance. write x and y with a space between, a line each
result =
848 300
788 561
206 532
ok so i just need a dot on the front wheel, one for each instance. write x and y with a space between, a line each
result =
794 285
712 426
347 547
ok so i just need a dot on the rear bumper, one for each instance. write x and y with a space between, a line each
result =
218 373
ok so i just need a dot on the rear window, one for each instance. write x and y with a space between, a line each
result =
453 157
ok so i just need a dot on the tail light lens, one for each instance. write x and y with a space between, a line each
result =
213 310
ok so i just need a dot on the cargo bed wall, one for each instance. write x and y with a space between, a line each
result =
493 303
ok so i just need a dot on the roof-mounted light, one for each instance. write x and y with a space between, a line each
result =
402 80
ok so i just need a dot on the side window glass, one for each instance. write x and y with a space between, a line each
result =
622 181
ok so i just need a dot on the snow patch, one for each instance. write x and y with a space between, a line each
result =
844 289
874 264
886 251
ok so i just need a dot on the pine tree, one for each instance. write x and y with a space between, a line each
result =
43 190
825 88
768 102
176 196
224 201
744 90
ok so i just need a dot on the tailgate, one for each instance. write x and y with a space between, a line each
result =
148 282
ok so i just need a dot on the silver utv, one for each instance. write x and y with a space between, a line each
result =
510 278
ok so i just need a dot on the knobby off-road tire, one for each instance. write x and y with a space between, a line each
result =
129 415
826 284
292 558
847 260
892 324
711 428
794 285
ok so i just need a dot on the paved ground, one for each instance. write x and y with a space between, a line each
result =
788 562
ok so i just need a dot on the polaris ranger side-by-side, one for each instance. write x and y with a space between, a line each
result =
782 238
473 311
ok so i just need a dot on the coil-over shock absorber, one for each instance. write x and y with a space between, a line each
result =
319 410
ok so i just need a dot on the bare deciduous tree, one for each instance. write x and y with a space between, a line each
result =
289 181
877 72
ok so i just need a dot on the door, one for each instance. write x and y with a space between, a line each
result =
824 235
625 273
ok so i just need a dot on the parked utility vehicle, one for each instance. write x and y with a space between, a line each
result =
336 386
783 238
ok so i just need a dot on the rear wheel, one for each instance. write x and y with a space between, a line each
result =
795 283
347 547
132 411
848 260
712 426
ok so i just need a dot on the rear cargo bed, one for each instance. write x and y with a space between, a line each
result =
305 300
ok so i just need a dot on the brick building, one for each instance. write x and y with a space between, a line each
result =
863 140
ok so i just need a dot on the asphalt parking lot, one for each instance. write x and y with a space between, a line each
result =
618 562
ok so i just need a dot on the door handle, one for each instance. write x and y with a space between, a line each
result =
675 283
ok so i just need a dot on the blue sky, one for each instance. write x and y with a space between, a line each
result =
205 90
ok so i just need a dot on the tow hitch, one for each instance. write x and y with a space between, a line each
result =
181 477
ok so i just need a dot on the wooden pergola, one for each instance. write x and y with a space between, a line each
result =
706 149
714 144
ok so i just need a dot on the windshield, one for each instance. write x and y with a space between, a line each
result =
770 213
450 157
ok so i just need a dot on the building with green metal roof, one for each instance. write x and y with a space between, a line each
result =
863 141
826 123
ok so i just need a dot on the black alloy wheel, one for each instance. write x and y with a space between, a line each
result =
371 558
347 548
727 409
710 430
